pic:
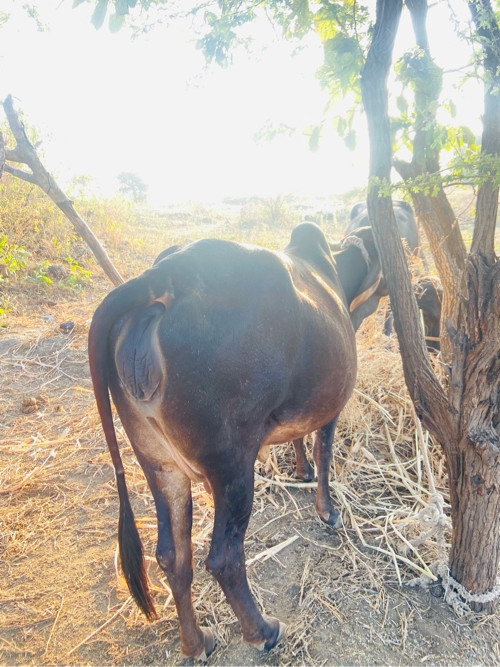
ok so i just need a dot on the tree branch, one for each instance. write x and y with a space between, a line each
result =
15 155
483 238
426 392
19 173
433 210
25 153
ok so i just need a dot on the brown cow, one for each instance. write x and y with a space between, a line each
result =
218 350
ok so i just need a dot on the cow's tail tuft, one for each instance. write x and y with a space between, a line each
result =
131 554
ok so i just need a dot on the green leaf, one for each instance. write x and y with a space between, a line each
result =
99 14
402 103
210 18
78 2
116 22
467 137
350 140
314 137
121 7
325 26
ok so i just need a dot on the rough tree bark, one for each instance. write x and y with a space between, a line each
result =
466 420
475 550
25 153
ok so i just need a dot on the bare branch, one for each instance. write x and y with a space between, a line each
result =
25 153
23 175
15 155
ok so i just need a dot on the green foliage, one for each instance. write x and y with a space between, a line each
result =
270 131
39 275
32 12
416 68
37 238
78 276
117 11
222 33
12 258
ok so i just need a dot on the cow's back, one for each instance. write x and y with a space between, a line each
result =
245 324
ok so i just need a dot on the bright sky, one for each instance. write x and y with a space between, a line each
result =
105 104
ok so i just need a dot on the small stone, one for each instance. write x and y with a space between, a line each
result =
67 327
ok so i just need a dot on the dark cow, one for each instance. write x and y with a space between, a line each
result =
429 294
408 232
404 218
429 299
218 350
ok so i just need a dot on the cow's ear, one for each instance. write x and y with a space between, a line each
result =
363 241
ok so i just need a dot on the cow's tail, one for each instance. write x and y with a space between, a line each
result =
153 285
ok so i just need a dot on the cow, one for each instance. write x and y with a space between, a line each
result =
428 299
429 295
219 350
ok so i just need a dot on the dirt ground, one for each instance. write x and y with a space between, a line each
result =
345 600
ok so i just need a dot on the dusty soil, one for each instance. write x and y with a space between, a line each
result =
62 600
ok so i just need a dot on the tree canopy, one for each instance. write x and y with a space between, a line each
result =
131 185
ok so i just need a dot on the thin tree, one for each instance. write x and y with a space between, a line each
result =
25 153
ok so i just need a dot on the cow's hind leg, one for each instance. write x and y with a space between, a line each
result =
233 496
171 490
322 452
303 469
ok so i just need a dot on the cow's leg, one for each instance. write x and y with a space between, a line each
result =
303 469
322 456
389 322
171 491
233 496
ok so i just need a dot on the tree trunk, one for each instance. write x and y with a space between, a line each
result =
467 421
475 551
433 211
425 391
475 464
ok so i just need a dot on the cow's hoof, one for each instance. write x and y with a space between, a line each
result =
331 517
304 475
281 631
278 630
209 642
